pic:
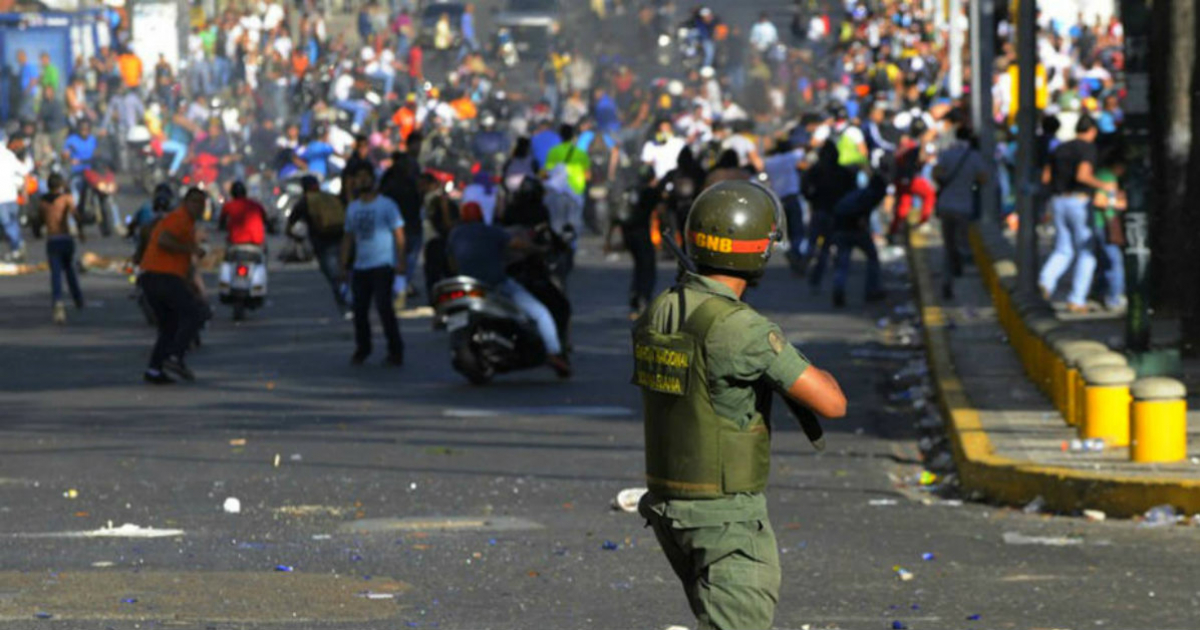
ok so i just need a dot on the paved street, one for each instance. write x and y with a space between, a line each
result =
316 450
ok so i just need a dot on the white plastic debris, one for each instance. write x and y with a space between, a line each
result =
232 506
627 499
882 502
1095 515
1161 516
1015 538
1035 506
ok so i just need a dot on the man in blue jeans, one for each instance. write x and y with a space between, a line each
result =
374 239
56 207
319 211
477 249
1071 174
851 230
12 180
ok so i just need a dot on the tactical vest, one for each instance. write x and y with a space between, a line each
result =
692 452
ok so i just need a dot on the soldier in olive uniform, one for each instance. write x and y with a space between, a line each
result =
707 364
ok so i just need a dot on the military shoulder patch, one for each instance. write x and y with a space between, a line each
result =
776 340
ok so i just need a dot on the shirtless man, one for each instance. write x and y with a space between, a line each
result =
57 207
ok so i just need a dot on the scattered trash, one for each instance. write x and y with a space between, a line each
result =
974 617
882 502
926 478
321 537
1160 516
627 499
882 354
928 556
103 564
42 615
19 269
311 510
1035 506
899 625
371 595
609 546
902 573
129 600
1015 538
295 457
930 422
71 494
1094 515
943 461
283 568
277 460
237 442
232 506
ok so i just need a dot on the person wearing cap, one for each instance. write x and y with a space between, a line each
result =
405 117
479 250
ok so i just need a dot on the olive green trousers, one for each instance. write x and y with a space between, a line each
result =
730 569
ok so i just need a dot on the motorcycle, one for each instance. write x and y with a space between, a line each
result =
242 280
489 335
99 203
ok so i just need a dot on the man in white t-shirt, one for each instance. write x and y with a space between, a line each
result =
381 67
272 16
662 152
343 92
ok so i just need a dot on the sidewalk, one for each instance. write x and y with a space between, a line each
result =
1008 438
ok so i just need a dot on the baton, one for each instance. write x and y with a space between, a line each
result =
809 422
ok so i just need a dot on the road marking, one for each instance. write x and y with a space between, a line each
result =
447 524
212 597
595 411
128 530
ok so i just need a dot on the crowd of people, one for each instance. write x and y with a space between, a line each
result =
408 139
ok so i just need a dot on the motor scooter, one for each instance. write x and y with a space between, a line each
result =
99 203
242 280
489 335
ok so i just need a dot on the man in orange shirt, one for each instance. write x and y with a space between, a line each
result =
406 117
166 270
130 67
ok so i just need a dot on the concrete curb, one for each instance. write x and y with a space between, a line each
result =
1012 481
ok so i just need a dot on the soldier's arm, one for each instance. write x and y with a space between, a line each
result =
819 391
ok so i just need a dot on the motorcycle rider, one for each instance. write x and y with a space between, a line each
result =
489 140
78 151
478 250
243 218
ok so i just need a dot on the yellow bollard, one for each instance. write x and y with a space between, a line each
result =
1086 362
1071 353
1159 421
1041 326
1107 404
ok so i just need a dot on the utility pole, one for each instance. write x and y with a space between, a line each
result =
983 56
956 48
1027 264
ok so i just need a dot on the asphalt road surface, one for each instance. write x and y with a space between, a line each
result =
407 498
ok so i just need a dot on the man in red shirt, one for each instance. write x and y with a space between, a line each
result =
243 218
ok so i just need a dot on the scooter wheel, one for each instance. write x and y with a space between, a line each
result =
469 365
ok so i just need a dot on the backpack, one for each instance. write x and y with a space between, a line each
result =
325 212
